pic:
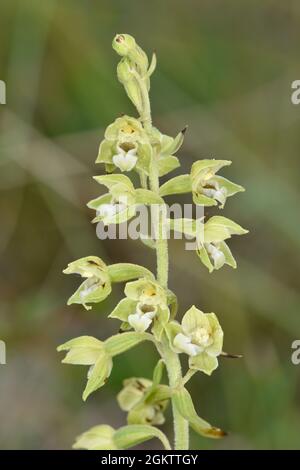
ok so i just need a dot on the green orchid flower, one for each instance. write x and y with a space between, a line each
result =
86 350
125 146
121 201
119 204
201 337
145 304
212 248
209 189
97 284
144 403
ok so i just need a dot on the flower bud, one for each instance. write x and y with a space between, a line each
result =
123 44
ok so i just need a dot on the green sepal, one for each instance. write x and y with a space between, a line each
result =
173 145
124 308
111 180
83 350
220 228
98 374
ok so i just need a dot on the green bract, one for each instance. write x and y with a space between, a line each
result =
97 285
201 337
149 307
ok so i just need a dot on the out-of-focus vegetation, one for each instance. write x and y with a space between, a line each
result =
225 69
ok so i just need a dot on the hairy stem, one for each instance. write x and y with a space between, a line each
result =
181 428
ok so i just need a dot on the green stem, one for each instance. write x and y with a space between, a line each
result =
181 428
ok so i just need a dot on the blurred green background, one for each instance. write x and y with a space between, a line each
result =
225 69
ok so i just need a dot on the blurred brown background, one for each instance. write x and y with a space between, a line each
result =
225 69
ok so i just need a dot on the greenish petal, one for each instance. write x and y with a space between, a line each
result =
203 255
92 290
229 259
111 180
83 350
106 152
194 319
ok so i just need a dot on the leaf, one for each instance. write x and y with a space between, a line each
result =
132 435
123 272
117 344
179 185
167 164
184 404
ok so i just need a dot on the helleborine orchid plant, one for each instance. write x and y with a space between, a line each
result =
149 308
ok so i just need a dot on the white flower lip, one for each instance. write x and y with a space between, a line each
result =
142 319
125 160
92 284
140 323
215 192
184 344
109 210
